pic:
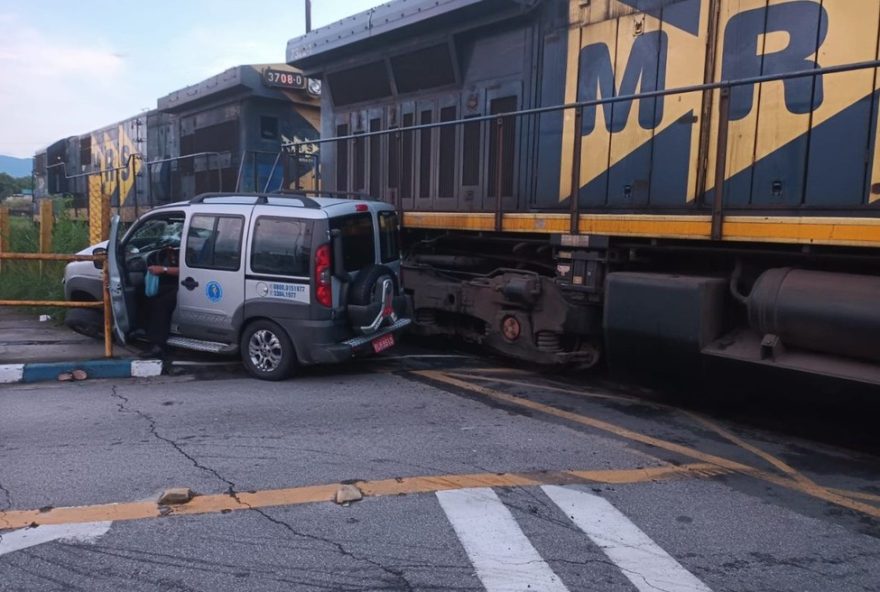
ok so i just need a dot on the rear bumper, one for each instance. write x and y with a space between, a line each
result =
339 352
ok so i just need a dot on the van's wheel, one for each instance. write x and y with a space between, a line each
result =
267 352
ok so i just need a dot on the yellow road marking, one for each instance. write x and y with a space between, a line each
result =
556 389
806 482
293 496
498 370
789 483
778 463
870 497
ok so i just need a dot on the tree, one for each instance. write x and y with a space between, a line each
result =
11 185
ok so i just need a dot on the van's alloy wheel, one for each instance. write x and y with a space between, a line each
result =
266 351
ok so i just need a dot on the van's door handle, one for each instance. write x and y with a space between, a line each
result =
190 284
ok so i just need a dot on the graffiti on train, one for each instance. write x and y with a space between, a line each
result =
626 47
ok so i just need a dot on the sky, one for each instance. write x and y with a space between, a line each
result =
69 67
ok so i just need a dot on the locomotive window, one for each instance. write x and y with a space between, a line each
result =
269 128
364 83
426 68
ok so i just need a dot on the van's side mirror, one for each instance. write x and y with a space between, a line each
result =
99 251
338 259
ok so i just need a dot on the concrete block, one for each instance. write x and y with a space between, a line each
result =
347 494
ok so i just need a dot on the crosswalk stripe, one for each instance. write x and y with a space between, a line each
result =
641 560
503 557
17 540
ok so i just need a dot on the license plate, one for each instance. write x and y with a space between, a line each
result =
383 343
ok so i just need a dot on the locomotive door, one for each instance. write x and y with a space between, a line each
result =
448 167
375 181
470 146
502 144
425 161
342 174
406 156
358 153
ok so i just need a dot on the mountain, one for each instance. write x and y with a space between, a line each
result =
15 167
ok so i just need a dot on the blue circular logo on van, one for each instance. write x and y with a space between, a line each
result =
214 291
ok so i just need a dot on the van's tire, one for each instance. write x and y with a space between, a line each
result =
267 352
363 290
85 321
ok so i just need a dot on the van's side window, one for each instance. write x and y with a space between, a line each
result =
282 246
358 243
214 242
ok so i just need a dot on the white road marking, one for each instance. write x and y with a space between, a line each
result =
641 560
503 557
84 532
146 368
10 373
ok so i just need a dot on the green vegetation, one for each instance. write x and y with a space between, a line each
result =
24 280
12 185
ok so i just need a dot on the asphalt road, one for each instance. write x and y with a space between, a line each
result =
474 476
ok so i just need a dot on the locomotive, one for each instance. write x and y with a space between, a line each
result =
222 134
654 182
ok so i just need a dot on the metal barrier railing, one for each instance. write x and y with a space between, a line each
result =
104 304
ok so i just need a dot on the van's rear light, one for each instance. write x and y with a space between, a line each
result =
361 208
323 285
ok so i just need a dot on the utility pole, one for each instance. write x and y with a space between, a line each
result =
308 16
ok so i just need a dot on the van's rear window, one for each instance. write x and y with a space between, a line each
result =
358 242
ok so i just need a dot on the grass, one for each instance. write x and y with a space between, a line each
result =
25 280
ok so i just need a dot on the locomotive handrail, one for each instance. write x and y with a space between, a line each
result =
127 164
723 84
150 163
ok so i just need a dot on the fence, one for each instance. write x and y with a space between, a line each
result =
46 220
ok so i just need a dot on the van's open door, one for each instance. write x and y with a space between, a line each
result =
116 272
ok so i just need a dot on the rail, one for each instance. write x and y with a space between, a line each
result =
104 304
724 87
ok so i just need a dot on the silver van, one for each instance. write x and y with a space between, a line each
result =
283 280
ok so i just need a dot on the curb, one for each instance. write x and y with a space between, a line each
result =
39 372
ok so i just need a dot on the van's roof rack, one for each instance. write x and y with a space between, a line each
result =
262 198
322 193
